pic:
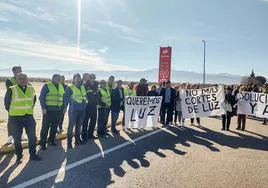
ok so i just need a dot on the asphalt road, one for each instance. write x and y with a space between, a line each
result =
173 157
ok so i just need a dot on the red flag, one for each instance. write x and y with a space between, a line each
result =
164 64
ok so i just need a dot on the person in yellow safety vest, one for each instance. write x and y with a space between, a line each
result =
51 100
104 104
19 102
60 129
110 85
11 82
76 97
130 91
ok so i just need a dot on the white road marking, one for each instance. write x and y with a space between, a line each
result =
82 161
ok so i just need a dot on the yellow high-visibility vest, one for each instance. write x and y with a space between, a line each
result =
79 95
106 97
21 103
54 96
108 88
129 92
13 81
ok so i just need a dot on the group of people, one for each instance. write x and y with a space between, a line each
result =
230 107
89 103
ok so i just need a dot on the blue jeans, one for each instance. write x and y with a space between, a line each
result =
115 116
76 119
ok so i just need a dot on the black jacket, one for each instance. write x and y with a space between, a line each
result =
172 97
232 101
117 101
152 93
92 93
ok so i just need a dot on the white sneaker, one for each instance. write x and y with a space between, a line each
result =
10 140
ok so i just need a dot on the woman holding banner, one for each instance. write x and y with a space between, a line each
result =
227 106
178 108
197 119
241 118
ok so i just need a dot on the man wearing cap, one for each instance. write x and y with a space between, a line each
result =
19 102
51 100
142 87
104 104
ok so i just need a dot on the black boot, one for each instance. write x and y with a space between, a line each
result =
70 146
19 159
35 158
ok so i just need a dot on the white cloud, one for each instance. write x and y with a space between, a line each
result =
22 45
122 4
186 38
133 39
88 28
3 19
104 50
129 34
266 1
14 8
124 29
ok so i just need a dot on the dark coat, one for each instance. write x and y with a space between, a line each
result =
92 93
232 101
141 90
152 93
172 93
117 102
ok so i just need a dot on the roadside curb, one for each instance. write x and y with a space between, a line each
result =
10 148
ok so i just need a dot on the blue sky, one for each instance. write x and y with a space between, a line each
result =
127 34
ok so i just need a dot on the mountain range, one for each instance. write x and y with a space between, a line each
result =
151 75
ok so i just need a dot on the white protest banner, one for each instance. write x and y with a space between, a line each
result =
251 103
142 111
202 102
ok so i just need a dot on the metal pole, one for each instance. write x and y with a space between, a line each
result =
204 66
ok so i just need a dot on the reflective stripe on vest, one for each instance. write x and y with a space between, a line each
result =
79 95
54 96
129 92
106 97
21 103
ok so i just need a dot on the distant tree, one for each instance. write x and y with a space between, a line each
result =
261 79
252 79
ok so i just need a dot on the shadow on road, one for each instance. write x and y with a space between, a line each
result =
34 168
99 171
